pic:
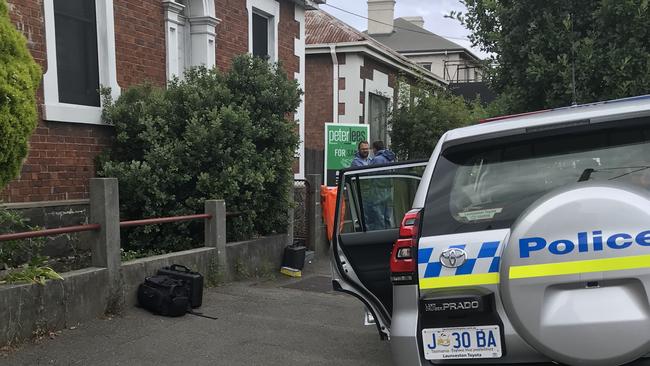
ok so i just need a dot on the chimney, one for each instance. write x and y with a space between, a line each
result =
380 16
419 21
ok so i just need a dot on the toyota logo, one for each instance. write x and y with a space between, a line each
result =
453 257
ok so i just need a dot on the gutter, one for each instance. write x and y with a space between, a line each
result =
309 4
441 52
335 84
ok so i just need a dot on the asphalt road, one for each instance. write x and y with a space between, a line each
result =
260 323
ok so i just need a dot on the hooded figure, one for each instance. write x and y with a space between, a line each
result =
361 157
379 215
382 155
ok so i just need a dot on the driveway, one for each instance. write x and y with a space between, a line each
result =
278 322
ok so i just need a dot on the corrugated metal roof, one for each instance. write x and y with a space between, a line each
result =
321 28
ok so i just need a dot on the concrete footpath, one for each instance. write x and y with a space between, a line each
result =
275 322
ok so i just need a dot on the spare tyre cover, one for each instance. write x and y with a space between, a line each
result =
575 274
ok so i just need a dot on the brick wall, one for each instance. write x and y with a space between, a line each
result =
61 155
370 65
232 32
288 31
140 42
318 109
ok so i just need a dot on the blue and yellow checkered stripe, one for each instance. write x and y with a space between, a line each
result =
480 268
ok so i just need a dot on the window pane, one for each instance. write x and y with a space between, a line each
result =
378 117
378 200
76 51
489 188
350 222
260 36
386 200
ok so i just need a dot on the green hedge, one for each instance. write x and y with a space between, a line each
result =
19 80
211 135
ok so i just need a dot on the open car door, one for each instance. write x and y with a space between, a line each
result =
370 206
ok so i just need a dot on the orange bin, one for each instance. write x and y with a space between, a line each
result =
328 201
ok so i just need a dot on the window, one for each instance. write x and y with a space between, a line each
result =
263 18
261 36
378 117
486 188
76 56
378 201
80 46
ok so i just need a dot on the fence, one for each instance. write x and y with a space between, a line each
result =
106 225
302 211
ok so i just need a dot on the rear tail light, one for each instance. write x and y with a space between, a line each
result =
403 261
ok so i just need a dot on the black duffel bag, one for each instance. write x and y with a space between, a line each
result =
164 295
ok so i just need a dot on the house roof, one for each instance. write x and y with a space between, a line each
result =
322 28
408 37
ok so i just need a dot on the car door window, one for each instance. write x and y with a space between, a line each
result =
373 202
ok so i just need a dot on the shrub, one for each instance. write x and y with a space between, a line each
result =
211 135
418 124
16 252
36 271
19 80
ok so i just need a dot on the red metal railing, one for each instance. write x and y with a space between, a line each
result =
50 232
164 220
94 227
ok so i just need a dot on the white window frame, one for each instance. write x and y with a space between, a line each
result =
269 9
53 109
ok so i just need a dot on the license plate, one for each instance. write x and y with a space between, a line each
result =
462 342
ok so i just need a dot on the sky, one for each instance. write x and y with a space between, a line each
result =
433 12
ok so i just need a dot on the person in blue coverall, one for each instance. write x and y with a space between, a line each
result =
382 154
379 214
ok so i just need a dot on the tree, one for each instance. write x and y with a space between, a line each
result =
418 123
19 80
211 135
537 45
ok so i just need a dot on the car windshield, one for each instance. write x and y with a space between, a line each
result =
488 187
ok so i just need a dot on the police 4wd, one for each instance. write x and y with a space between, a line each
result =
522 240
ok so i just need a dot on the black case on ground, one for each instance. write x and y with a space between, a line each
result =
193 281
294 257
164 295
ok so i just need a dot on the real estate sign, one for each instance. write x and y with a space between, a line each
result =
340 146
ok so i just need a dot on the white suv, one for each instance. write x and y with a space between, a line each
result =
525 239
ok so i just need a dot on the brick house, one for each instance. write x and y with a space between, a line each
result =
350 78
82 44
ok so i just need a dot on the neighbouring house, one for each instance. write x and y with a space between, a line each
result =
457 65
350 78
407 35
84 44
